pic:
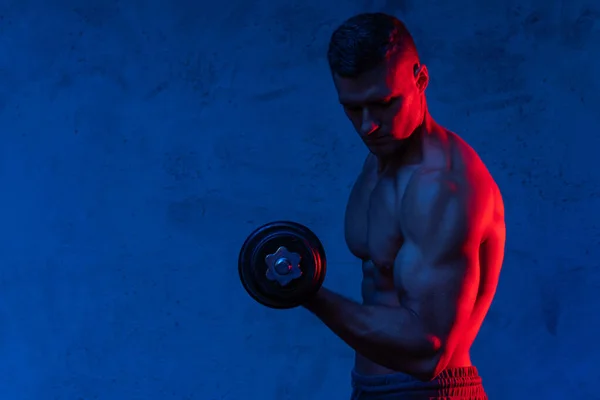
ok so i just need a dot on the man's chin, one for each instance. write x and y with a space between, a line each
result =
382 146
381 151
388 149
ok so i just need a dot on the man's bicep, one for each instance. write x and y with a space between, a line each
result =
442 221
441 293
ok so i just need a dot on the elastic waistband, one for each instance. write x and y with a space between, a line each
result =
452 381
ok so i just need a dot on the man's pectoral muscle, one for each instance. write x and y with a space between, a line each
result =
436 273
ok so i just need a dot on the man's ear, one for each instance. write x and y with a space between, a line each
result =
421 76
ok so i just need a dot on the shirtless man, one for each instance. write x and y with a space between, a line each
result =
424 216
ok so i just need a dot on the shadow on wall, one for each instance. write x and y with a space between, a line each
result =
142 141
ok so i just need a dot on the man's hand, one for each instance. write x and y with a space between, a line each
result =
436 273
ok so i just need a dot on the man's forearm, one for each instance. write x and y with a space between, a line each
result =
390 336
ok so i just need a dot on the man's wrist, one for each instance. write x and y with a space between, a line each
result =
313 303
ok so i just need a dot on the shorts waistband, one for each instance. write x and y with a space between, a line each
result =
462 381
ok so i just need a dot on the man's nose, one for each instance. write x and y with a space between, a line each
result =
368 124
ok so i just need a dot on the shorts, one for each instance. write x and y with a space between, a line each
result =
452 384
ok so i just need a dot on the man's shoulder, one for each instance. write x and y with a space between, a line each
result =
461 163
452 169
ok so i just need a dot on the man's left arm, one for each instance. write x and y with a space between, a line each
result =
442 219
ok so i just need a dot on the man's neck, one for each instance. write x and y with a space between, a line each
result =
410 150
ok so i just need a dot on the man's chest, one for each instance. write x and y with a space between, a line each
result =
373 223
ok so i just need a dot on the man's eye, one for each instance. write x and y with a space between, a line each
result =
386 103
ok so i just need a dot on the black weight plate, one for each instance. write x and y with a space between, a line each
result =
266 240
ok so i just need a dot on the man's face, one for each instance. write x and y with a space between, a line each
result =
385 105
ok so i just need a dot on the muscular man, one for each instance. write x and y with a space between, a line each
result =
424 216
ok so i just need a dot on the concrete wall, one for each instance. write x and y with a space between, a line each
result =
141 141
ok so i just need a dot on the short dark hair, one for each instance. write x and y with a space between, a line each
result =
364 41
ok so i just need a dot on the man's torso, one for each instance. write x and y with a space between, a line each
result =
374 235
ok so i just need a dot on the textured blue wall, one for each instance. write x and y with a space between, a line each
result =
141 141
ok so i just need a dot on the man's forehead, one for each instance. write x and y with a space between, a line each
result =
373 85
370 95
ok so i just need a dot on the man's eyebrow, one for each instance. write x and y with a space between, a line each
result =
369 100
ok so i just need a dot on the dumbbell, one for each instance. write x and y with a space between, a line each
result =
282 264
